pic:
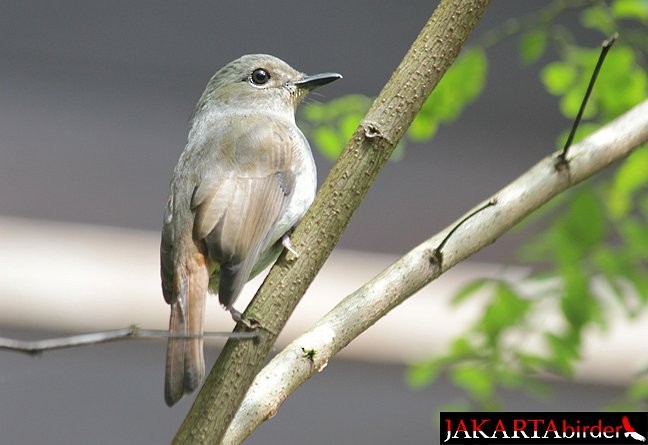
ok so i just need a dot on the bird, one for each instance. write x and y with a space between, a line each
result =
243 181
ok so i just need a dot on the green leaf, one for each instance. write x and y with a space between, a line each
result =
349 124
584 224
461 349
314 111
469 290
564 352
532 45
420 375
507 309
612 265
558 77
626 263
474 379
328 141
639 280
622 84
630 9
444 104
638 391
531 363
635 236
597 17
330 124
571 103
462 84
473 75
510 377
423 128
643 205
577 305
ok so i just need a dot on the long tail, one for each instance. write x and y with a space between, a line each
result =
185 365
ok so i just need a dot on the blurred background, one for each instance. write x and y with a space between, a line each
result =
95 99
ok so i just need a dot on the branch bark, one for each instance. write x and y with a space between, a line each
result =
34 347
310 352
433 51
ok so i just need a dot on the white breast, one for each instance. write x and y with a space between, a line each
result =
303 193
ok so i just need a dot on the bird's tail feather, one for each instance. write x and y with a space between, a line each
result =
185 365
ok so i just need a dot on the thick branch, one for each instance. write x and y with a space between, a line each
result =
431 54
356 313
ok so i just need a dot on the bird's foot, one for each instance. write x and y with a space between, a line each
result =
285 241
237 316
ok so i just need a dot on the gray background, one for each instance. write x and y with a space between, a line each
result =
95 100
94 105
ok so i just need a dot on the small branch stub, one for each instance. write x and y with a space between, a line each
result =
371 131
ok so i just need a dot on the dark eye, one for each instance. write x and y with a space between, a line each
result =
260 76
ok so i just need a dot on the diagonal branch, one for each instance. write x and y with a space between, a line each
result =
310 352
434 50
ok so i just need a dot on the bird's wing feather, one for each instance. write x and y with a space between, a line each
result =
234 214
170 289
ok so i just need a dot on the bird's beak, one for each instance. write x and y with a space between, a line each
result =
316 80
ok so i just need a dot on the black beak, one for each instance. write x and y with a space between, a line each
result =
317 80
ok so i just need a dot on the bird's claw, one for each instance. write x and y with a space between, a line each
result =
285 241
237 316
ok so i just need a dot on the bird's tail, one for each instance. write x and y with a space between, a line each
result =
185 364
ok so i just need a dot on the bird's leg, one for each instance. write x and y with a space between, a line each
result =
237 316
285 241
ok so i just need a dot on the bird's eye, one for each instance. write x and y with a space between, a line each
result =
260 76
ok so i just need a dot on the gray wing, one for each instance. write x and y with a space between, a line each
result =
167 254
235 213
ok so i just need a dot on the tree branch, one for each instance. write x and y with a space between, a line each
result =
370 147
34 347
310 352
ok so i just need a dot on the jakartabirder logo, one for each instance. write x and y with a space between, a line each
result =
547 428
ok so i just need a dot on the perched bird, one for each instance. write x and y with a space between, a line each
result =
243 181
